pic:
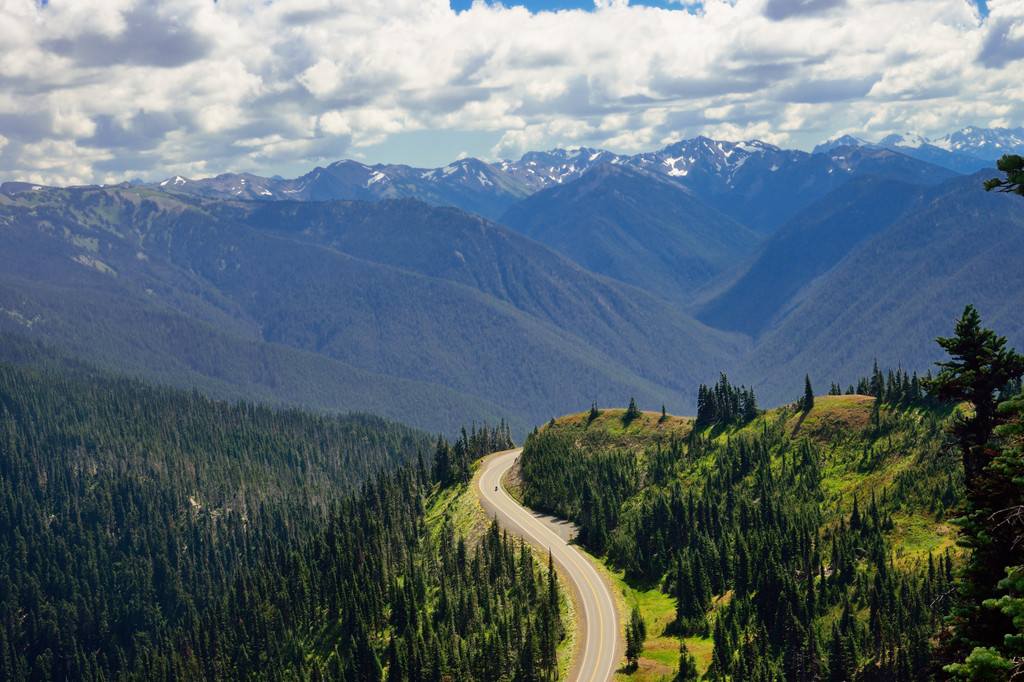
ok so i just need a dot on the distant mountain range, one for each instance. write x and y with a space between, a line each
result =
773 183
469 184
758 184
965 151
606 277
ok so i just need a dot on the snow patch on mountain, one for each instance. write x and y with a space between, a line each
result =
376 177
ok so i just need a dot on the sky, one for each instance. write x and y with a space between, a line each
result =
103 91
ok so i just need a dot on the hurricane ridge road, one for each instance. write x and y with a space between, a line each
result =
598 626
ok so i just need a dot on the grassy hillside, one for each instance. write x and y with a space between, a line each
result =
794 543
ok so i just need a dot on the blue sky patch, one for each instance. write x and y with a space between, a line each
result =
555 5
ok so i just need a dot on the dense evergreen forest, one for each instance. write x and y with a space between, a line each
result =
811 542
150 533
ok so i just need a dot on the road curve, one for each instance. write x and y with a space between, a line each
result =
598 625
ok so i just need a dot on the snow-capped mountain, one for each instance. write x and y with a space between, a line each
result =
470 184
755 182
984 143
965 151
245 186
904 141
842 141
538 170
897 142
717 165
700 155
762 185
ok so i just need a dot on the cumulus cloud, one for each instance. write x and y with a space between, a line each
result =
1003 39
106 90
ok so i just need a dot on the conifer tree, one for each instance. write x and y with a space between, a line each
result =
636 633
687 665
632 412
632 650
979 366
721 655
808 400
1012 165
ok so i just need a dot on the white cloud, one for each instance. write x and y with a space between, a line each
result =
72 123
334 123
90 89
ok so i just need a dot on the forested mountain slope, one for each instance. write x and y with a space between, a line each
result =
436 316
430 298
143 338
638 228
464 249
805 248
149 533
894 293
128 509
797 544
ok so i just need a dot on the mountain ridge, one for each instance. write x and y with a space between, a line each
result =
966 151
712 168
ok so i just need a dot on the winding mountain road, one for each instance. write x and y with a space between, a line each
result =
598 625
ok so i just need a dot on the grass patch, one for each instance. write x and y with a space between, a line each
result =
660 657
567 647
609 430
460 505
832 415
702 649
917 535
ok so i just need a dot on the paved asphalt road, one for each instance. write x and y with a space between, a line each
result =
598 622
